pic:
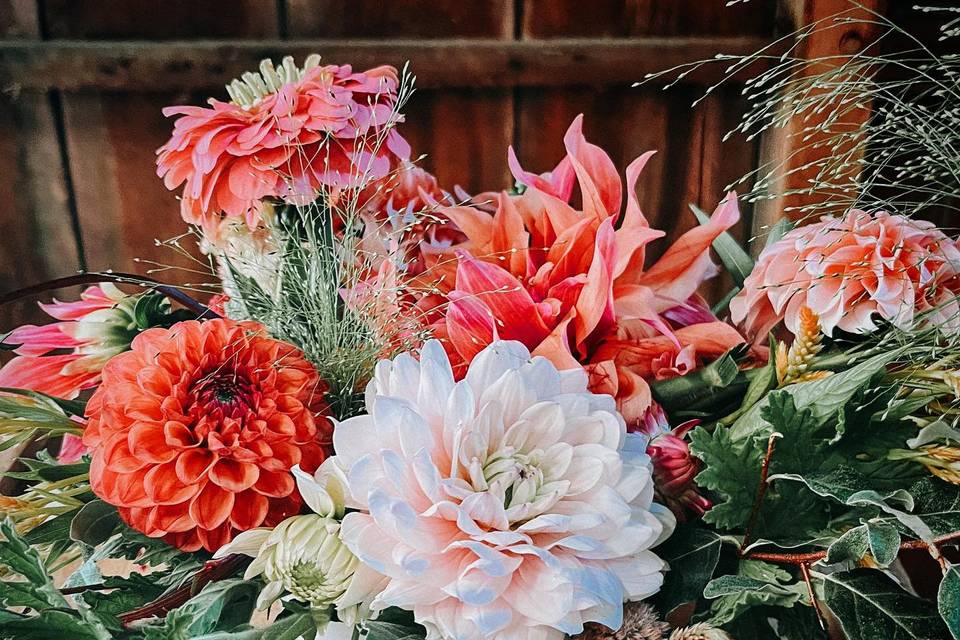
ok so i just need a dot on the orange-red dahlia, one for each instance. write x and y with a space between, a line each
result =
193 432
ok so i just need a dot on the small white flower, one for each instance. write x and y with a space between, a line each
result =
303 557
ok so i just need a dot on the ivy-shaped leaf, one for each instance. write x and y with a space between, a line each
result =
869 606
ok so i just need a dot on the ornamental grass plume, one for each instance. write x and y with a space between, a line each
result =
193 432
510 504
792 365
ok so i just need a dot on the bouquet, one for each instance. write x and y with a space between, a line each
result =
414 412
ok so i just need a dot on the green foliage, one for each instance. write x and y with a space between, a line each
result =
220 606
948 600
755 584
48 613
870 606
877 540
94 523
692 553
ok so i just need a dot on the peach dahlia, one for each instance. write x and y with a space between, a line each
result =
194 431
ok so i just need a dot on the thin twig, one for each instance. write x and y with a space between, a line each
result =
805 571
810 558
761 492
202 311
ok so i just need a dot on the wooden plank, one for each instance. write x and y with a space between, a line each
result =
151 19
408 19
125 212
692 165
462 131
178 66
782 147
623 18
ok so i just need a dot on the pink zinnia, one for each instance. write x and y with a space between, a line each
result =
287 133
850 271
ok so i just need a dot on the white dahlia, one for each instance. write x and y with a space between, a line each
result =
510 505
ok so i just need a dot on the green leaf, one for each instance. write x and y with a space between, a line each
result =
736 261
692 554
56 472
94 523
730 470
948 600
778 230
290 627
22 559
756 583
938 504
51 530
379 630
851 488
50 624
682 392
869 606
220 606
70 407
824 398
879 540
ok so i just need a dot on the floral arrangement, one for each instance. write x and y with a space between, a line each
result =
414 412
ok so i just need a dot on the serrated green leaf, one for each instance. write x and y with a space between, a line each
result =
824 398
692 554
94 523
948 600
736 261
755 584
50 624
869 606
730 470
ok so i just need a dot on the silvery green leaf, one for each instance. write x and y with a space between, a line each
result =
948 600
869 606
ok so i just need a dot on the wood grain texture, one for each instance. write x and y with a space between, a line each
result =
187 65
400 19
36 231
151 19
794 148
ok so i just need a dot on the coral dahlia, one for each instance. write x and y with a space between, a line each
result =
194 431
512 504
852 270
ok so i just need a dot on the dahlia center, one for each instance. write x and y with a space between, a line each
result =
228 393
514 475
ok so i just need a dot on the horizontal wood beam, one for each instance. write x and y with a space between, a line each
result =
182 65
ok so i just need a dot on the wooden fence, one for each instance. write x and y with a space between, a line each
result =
84 82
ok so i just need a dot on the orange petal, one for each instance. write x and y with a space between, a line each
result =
249 510
274 484
211 507
163 486
234 476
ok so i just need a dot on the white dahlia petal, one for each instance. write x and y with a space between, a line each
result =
510 505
